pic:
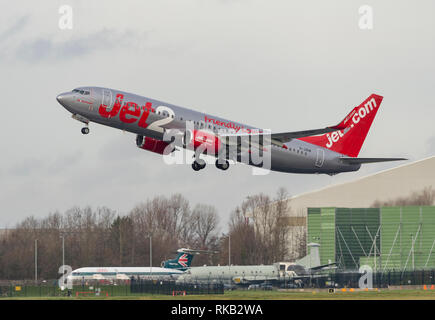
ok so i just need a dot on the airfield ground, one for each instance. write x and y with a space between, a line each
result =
267 295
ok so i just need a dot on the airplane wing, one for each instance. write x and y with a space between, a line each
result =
284 137
196 251
310 276
253 279
368 160
323 266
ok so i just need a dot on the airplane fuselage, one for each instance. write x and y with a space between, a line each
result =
152 118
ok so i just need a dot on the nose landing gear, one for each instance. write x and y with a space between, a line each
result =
85 130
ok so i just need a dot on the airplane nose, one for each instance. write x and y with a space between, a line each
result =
63 99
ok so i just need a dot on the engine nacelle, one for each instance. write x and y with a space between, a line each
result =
153 145
209 142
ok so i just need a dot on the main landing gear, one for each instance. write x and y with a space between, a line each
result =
198 166
222 164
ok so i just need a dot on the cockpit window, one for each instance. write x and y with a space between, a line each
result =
82 92
296 268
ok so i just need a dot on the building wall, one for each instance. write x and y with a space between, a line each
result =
4 233
363 192
407 238
390 184
390 238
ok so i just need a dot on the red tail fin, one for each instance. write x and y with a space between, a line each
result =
357 124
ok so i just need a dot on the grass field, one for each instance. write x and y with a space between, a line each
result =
267 295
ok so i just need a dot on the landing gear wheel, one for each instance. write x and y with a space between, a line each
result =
85 130
223 166
196 166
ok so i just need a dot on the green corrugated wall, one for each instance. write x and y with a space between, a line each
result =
356 229
327 237
321 230
406 237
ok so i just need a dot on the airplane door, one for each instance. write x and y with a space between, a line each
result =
92 98
107 100
320 158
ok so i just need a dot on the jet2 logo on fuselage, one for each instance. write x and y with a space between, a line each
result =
130 112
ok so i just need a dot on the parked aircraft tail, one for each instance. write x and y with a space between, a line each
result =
312 260
357 123
181 262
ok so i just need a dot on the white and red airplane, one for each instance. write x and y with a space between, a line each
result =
162 127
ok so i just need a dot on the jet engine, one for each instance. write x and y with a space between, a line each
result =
208 141
153 145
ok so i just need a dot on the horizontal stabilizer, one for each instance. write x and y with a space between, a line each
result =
369 160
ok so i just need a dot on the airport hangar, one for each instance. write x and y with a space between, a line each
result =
353 233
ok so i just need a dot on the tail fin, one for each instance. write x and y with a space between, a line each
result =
357 125
181 262
312 260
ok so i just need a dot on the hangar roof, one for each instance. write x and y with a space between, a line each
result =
363 192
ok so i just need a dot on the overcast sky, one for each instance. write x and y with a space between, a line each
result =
283 65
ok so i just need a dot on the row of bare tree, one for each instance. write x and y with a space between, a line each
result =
102 237
258 231
425 197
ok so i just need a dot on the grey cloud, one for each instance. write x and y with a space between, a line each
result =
19 25
26 167
45 49
119 149
30 166
63 162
